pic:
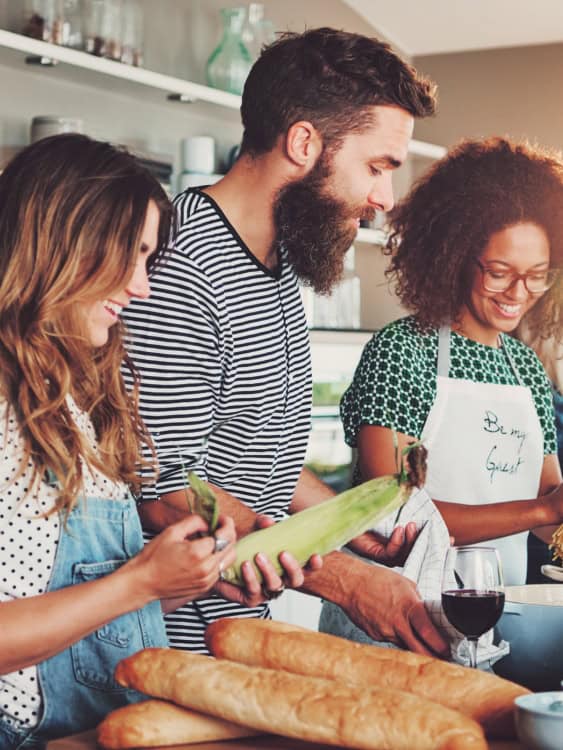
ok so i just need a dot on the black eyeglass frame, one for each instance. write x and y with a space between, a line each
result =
551 278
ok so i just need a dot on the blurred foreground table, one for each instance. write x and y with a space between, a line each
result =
87 741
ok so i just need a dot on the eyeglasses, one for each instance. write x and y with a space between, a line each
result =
536 282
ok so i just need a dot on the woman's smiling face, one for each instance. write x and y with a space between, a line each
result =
518 249
100 316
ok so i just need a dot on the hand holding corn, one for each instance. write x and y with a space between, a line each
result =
330 524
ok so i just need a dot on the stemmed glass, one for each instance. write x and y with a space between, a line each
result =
472 592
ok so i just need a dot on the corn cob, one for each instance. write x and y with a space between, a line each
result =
321 528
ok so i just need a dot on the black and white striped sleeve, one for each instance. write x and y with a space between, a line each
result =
176 346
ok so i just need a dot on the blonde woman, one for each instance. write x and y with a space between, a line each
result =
80 225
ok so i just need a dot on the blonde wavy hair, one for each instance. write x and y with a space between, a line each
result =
72 211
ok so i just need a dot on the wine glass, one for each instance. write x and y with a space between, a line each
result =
472 592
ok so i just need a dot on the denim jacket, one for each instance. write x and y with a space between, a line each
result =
77 684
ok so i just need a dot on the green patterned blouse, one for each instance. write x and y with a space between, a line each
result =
395 382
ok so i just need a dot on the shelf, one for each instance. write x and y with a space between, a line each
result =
82 67
428 150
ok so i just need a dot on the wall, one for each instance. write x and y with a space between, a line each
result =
514 91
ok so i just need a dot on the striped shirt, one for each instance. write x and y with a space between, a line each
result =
223 351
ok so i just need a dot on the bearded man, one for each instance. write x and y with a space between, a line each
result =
222 343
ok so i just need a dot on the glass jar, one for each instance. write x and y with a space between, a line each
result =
257 31
72 24
43 19
132 33
341 309
230 62
102 28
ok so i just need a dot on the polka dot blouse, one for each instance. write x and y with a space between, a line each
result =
28 545
395 382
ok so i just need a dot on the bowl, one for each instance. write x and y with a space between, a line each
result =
532 623
539 720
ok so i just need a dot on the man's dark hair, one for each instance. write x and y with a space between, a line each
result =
329 78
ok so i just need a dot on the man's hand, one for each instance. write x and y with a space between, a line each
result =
388 607
391 551
383 603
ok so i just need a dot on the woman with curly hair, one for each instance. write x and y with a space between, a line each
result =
80 225
475 245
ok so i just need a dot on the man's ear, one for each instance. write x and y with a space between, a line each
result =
303 145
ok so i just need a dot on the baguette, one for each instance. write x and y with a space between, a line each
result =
300 707
482 696
155 723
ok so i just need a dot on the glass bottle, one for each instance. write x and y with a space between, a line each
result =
340 309
103 28
72 24
132 33
43 19
230 62
257 32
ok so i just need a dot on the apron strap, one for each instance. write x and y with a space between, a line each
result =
444 335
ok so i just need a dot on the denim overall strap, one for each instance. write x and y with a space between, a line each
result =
77 685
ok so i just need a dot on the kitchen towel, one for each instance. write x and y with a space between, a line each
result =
424 566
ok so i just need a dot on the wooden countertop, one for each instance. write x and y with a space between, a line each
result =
87 741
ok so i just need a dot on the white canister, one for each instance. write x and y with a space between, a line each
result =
46 125
196 179
198 154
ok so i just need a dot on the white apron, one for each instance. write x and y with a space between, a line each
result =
485 445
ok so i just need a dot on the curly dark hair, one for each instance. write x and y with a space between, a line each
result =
330 78
479 188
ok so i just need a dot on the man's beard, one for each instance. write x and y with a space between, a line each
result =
315 229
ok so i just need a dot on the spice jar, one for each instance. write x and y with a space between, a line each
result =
132 33
72 24
102 28
43 19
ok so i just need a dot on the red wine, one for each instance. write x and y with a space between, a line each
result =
472 611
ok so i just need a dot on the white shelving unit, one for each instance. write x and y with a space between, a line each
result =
81 67
88 70
77 66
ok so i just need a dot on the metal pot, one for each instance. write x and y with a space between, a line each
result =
532 622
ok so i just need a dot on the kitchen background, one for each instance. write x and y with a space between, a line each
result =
498 64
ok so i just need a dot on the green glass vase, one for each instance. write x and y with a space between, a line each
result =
230 62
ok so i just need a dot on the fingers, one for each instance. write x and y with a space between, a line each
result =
293 571
188 526
226 529
251 595
262 522
421 635
395 543
271 580
411 532
315 562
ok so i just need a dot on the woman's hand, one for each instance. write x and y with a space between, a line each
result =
179 565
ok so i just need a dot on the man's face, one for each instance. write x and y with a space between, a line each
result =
317 218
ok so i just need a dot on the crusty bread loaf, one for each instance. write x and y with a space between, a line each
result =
482 696
155 723
308 708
